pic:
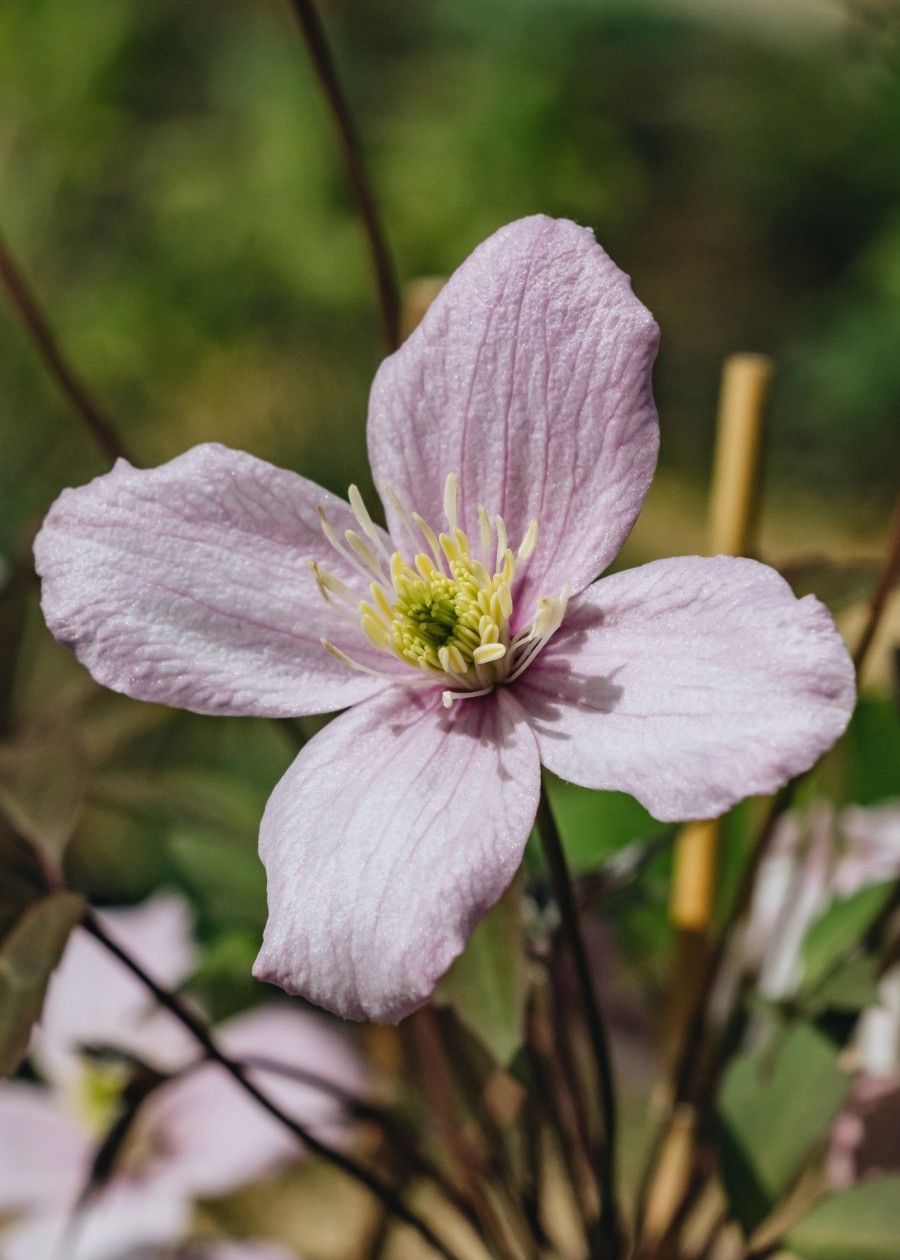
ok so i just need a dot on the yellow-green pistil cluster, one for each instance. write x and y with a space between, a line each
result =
448 613
440 622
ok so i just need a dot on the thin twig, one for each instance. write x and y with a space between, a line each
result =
361 1109
326 71
239 1074
54 361
564 895
887 580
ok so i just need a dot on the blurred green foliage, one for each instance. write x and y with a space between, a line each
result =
170 183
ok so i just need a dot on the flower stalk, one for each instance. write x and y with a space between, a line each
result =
326 71
561 882
53 359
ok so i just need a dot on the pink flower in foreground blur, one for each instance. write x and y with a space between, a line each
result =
815 859
196 1136
513 437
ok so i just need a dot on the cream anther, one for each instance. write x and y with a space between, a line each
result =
445 615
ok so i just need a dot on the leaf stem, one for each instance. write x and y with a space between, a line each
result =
564 895
326 71
67 380
238 1073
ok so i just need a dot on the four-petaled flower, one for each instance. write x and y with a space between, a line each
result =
513 438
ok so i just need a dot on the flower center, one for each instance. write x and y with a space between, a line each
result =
98 1093
97 1101
448 611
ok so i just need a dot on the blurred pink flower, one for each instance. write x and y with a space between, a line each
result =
198 1135
521 411
865 1138
815 859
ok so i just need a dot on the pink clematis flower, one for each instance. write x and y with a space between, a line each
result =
514 437
196 1136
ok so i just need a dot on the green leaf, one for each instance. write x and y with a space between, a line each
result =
862 1223
594 825
834 934
486 984
852 985
41 790
28 955
228 879
223 982
775 1104
872 751
214 800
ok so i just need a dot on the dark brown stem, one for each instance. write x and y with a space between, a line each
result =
437 1085
563 892
360 1109
326 71
45 343
239 1074
555 1100
885 584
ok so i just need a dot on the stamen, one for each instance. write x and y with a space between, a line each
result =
449 548
451 497
339 547
449 696
361 512
501 539
330 585
529 543
447 615
485 522
489 652
430 538
366 554
405 680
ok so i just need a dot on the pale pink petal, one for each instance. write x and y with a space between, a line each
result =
792 889
189 585
530 377
691 684
872 851
216 1138
386 841
121 1220
865 1137
93 999
43 1157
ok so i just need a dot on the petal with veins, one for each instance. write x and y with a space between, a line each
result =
530 377
690 683
389 837
189 585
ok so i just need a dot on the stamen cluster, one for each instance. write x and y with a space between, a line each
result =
448 613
